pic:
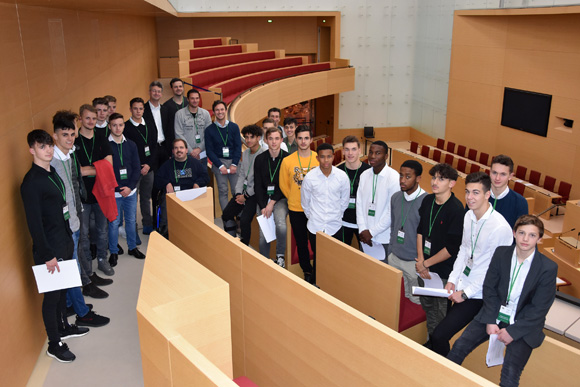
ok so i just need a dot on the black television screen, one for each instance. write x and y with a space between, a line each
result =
526 110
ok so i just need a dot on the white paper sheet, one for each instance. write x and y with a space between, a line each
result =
202 155
435 281
376 251
560 282
495 350
68 277
268 227
190 194
419 291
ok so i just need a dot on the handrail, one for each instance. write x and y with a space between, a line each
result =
203 89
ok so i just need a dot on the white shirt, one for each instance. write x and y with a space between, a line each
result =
414 195
324 199
386 184
118 194
493 231
135 123
522 274
103 125
61 156
265 146
156 111
501 195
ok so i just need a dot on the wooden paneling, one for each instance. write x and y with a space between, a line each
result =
52 59
538 53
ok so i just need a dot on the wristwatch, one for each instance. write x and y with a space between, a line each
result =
464 296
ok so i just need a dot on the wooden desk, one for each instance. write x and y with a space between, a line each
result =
562 315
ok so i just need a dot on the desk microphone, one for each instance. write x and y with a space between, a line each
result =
577 240
566 232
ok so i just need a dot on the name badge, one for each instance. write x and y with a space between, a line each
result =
226 151
147 151
468 266
65 212
270 190
427 247
197 138
504 314
352 203
245 184
123 173
176 188
401 236
372 208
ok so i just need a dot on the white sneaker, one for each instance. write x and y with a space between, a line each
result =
281 261
122 232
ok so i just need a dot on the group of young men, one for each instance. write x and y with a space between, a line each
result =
164 148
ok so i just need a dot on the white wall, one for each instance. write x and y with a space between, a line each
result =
401 50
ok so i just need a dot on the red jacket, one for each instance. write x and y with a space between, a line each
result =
104 189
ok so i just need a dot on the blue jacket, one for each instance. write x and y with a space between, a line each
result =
214 143
130 162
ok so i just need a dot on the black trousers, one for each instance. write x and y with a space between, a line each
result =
346 234
457 318
54 314
298 223
312 239
248 210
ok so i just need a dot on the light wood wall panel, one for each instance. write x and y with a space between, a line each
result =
52 59
535 52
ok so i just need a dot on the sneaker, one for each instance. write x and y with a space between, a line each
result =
73 331
70 310
147 230
91 290
105 267
122 232
60 352
281 261
92 319
100 281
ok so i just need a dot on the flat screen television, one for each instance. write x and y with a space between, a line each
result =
526 111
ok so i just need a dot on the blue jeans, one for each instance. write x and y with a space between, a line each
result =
516 356
74 296
280 212
126 207
101 237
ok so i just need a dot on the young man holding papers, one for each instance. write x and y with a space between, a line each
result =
518 292
47 214
483 231
271 201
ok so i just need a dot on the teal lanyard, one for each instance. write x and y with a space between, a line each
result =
513 281
411 205
181 171
251 163
375 178
473 245
300 163
120 148
275 170
220 132
354 179
146 133
61 189
90 158
431 219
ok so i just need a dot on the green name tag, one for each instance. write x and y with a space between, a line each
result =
400 236
352 203
467 271
65 212
197 138
505 318
147 151
427 250
123 173
371 212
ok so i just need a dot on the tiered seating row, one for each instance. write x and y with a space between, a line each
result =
190 67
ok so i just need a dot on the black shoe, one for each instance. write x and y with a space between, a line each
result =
428 344
136 253
73 331
92 319
113 260
70 310
60 352
121 251
91 290
308 277
94 251
100 281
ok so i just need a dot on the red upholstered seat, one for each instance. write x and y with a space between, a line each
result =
437 155
244 381
450 147
483 158
226 60
449 159
410 314
205 52
328 140
535 177
440 143
337 157
549 183
521 172
208 42
472 155
474 168
425 150
519 188
414 146
461 150
461 165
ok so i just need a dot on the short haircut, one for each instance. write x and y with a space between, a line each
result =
382 144
116 116
193 91
533 220
479 177
303 128
109 98
64 119
173 80
290 121
155 83
503 160
269 131
39 136
349 139
268 121
273 110
88 107
100 101
324 146
254 130
178 140
446 171
136 100
414 165
218 102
